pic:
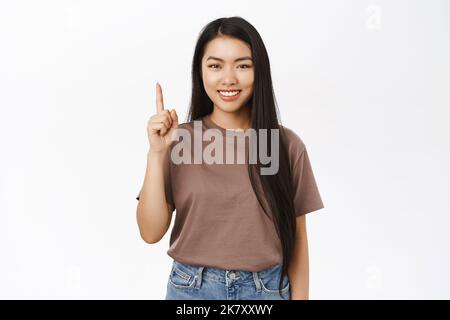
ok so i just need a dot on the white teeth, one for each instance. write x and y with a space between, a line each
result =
229 93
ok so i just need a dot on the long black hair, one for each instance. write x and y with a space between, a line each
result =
277 188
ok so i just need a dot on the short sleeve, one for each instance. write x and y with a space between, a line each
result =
167 184
306 193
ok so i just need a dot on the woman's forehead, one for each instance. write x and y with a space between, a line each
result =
227 48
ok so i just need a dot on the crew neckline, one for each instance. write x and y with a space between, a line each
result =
211 124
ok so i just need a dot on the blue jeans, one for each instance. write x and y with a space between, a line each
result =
189 282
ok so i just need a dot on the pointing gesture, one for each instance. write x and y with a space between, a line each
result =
159 99
161 125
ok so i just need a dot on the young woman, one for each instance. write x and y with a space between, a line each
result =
238 233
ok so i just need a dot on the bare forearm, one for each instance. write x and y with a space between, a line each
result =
152 209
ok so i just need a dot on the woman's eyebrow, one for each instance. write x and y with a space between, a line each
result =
238 59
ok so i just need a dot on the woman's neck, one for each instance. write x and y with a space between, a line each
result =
240 119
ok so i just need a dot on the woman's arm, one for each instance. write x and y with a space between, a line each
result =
298 270
153 213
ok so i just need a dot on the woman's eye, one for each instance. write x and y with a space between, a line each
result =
242 66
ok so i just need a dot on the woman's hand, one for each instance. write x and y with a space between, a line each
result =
161 125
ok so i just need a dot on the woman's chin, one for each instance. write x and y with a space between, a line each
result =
227 106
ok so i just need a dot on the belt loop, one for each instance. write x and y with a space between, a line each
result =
257 282
199 277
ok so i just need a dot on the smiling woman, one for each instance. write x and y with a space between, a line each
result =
238 231
228 75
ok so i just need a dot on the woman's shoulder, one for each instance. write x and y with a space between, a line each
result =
184 132
189 125
186 125
294 143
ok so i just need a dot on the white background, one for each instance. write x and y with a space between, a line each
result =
365 84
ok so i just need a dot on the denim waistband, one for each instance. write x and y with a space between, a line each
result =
225 275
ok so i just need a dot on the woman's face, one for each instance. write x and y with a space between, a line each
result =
227 65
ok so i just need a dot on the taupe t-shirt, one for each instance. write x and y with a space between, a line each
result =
219 221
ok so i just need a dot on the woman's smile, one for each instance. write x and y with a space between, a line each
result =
229 95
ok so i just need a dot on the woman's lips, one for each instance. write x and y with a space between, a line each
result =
231 98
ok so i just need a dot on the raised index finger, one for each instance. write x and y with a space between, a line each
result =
159 98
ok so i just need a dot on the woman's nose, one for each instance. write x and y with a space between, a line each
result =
229 76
